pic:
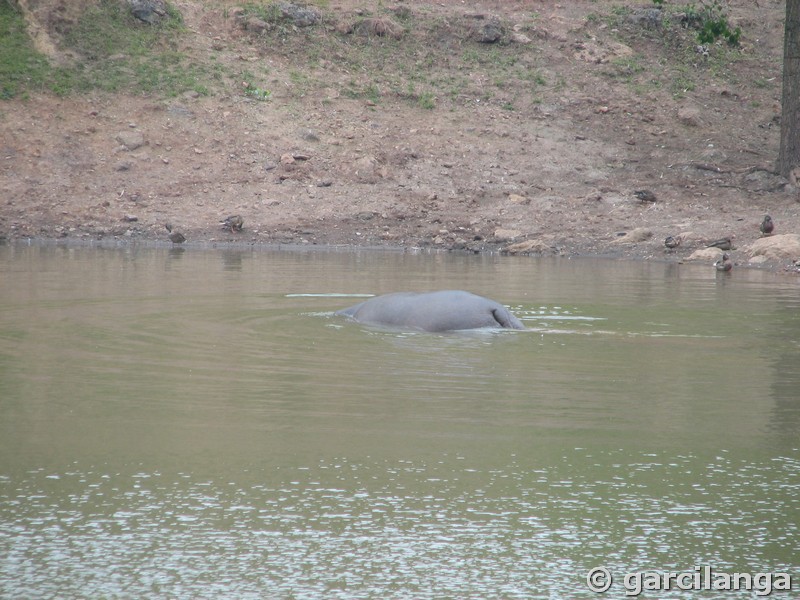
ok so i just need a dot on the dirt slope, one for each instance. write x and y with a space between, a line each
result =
535 143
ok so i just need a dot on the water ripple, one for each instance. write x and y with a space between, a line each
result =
399 529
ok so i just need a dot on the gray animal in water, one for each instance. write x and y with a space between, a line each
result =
448 310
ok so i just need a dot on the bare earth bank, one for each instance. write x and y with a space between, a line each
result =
549 172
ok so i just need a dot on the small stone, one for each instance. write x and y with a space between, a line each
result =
506 235
130 218
645 195
130 140
179 110
634 236
518 199
761 180
309 135
520 38
148 11
645 17
255 25
706 254
489 32
689 116
287 159
375 26
300 16
776 247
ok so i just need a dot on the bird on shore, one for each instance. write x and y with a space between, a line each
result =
672 242
724 264
176 237
722 243
645 195
234 223
767 226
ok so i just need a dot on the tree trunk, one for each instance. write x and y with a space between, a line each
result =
789 156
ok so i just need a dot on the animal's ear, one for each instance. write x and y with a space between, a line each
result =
502 319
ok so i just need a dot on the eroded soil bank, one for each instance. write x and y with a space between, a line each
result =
428 136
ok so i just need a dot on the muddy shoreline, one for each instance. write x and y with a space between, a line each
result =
547 148
775 266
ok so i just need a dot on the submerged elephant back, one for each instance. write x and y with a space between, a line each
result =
433 311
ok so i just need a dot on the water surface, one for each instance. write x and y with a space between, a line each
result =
196 423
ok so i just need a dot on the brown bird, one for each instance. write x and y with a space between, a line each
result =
645 195
176 237
724 264
767 226
672 242
234 223
722 244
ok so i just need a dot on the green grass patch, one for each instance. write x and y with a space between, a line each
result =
109 29
21 67
116 52
431 61
427 101
682 82
269 13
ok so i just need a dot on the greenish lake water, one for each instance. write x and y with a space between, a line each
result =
196 423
